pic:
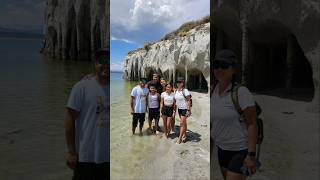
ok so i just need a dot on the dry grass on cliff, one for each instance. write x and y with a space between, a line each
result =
146 47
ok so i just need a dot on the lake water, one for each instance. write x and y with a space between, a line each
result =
33 94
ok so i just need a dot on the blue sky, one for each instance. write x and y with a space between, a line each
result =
119 49
134 22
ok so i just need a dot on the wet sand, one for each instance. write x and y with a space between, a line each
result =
290 150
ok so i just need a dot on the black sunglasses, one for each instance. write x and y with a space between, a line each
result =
221 65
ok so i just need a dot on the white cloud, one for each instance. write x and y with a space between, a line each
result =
119 39
149 12
166 15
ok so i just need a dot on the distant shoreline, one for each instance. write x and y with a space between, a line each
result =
21 38
116 72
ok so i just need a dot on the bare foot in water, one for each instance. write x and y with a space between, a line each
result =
179 141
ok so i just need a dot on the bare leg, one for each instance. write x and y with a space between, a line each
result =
223 172
149 121
168 125
133 130
234 176
140 128
157 124
173 121
183 126
165 124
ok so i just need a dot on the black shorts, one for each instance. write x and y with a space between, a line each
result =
232 160
138 117
91 171
154 113
182 112
167 111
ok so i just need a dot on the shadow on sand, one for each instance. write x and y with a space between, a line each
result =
191 136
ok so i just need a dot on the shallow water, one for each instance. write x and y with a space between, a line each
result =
33 94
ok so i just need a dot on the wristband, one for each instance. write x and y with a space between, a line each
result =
252 154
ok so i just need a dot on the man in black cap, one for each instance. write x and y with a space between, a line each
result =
138 105
87 124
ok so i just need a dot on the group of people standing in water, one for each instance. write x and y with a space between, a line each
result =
160 99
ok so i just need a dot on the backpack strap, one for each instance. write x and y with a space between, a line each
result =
235 99
184 95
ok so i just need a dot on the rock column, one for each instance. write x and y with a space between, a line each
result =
290 59
314 57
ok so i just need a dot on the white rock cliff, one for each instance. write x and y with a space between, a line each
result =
187 56
76 28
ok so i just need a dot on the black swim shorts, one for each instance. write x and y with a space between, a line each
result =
167 111
154 113
232 160
182 112
138 117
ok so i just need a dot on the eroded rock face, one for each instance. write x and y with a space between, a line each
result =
75 29
187 56
271 22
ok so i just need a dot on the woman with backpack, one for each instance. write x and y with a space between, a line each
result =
182 97
234 136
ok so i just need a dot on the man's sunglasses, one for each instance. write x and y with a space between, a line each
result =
221 65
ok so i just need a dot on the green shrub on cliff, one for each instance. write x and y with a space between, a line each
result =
147 45
186 27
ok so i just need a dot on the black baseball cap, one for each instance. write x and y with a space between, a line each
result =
180 79
102 56
226 56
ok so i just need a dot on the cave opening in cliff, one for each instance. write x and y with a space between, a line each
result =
277 64
195 80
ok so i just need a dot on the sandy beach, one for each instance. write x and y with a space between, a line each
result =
290 150
190 160
153 156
